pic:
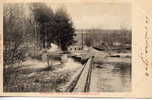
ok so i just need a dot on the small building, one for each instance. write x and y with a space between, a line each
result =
74 48
78 50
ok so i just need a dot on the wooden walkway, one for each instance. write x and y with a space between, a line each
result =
82 79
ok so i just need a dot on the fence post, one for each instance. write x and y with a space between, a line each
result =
48 60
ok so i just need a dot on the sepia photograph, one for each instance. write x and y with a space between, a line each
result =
67 47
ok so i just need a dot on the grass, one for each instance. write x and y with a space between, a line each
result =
34 78
18 79
21 80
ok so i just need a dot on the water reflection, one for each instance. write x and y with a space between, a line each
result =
113 77
109 76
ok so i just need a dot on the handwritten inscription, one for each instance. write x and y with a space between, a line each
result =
145 55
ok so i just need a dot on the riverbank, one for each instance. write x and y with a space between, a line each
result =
35 76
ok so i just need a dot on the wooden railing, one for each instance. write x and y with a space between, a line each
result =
81 80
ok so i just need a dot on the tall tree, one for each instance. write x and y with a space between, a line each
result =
14 32
43 15
64 30
56 27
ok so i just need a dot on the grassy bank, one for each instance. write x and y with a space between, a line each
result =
36 79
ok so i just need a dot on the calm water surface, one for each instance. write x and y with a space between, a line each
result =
113 76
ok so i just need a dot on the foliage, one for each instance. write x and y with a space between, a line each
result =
55 27
43 16
64 29
13 34
106 39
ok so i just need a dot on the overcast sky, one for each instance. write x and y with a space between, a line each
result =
98 15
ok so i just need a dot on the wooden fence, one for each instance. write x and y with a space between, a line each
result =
81 80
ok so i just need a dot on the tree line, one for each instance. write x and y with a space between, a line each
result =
24 23
55 26
108 38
